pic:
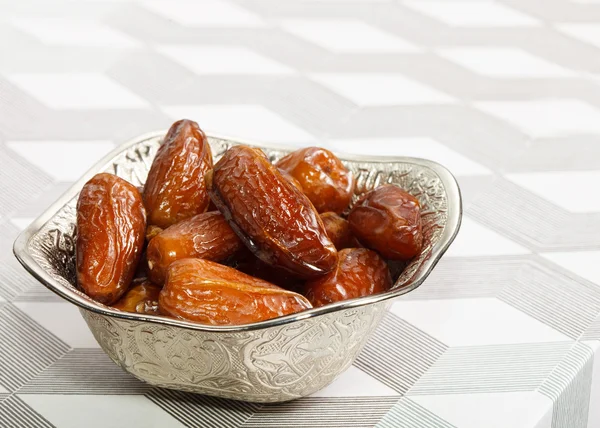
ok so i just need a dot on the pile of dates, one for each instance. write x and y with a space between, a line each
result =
241 240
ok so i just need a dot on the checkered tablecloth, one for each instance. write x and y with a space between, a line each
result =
505 332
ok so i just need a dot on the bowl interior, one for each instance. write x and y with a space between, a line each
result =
49 242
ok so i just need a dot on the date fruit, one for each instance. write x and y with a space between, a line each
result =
338 230
360 272
141 298
205 236
273 218
211 293
175 188
323 177
111 223
388 220
295 182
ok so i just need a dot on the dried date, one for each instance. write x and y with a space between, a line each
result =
388 220
360 272
273 218
323 178
206 236
211 293
292 180
111 222
175 188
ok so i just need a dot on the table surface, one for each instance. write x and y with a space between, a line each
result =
504 333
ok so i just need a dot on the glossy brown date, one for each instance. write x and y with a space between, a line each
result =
360 272
175 188
323 178
211 293
273 218
292 180
206 236
338 230
111 222
388 220
141 298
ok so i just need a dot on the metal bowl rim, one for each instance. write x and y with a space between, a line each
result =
21 244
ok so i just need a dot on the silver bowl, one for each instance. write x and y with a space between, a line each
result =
275 360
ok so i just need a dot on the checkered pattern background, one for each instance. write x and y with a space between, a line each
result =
504 333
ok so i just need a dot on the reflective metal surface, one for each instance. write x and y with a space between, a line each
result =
273 360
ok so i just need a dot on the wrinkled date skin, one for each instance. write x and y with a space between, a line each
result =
388 220
338 230
273 218
211 293
323 178
205 236
360 272
295 182
141 298
175 188
111 223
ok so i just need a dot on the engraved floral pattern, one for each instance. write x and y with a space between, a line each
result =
274 364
